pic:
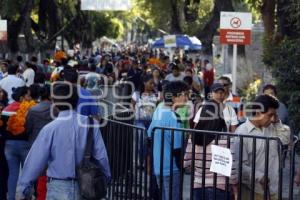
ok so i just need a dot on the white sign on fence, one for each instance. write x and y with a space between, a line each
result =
221 160
3 30
106 4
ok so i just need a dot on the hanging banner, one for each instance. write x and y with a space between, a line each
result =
106 5
3 30
170 41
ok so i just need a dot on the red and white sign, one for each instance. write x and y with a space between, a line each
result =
3 30
235 28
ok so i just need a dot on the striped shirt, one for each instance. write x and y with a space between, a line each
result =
209 176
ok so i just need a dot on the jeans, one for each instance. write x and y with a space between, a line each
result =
166 186
62 190
15 152
209 194
3 170
141 137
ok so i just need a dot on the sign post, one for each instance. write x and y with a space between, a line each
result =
235 29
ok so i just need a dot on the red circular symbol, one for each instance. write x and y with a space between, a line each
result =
235 22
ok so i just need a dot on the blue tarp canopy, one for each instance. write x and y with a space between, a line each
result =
182 41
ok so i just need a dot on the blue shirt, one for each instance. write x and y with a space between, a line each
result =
60 146
87 104
165 117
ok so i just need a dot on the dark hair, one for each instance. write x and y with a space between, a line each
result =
93 68
188 80
19 58
28 65
144 79
174 89
45 92
225 78
4 101
264 102
39 78
70 75
64 61
19 92
33 59
34 91
211 119
61 95
174 67
12 69
46 61
108 68
270 87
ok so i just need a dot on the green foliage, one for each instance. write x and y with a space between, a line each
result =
105 24
283 60
294 14
48 19
251 91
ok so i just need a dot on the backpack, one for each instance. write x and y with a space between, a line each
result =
91 179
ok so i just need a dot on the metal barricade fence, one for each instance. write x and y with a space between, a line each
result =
137 168
165 136
129 172
294 168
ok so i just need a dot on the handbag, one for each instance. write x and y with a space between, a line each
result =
91 179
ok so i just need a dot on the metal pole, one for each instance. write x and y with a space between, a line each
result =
62 33
234 68
223 58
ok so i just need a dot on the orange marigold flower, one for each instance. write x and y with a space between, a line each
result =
16 123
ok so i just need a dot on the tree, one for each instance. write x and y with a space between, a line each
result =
47 19
207 33
282 54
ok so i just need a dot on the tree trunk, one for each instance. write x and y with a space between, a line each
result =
14 28
43 5
26 15
268 17
175 18
52 22
207 33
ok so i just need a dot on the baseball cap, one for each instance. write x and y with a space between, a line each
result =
217 86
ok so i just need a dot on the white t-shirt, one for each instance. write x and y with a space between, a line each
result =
10 82
228 113
28 76
145 105
171 77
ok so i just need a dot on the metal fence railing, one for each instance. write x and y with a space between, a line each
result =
149 169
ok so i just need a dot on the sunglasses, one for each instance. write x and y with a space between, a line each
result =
226 84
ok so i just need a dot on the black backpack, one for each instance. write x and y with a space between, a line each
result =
91 179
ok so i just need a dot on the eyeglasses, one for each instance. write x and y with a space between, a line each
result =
226 84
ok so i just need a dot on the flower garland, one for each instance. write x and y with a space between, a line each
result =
16 123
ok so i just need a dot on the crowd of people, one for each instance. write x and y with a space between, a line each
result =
42 134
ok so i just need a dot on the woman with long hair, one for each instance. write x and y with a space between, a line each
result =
211 119
16 145
144 102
